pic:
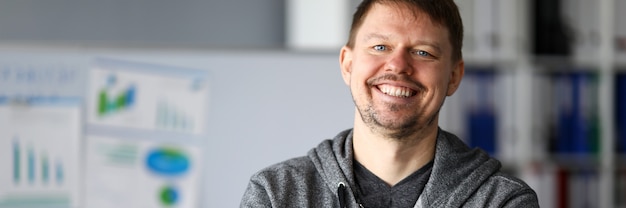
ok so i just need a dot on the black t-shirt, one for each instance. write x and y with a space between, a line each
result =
373 192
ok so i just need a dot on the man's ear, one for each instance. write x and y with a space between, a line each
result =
345 62
455 77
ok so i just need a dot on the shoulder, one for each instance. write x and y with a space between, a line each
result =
285 172
290 166
292 183
504 183
508 191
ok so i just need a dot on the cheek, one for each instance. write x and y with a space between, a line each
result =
433 78
363 71
436 83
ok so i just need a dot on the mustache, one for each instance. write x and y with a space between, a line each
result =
395 77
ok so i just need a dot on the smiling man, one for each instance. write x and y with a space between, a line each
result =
402 59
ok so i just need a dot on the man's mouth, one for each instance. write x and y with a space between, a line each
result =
396 91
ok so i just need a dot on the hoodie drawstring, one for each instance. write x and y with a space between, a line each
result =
341 194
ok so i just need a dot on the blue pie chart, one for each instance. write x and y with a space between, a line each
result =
167 161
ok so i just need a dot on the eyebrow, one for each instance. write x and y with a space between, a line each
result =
376 36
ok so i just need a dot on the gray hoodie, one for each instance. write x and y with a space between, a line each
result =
461 177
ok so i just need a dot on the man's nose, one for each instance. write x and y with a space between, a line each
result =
399 62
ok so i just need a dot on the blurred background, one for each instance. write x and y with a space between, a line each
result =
142 103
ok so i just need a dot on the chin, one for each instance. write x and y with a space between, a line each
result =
394 129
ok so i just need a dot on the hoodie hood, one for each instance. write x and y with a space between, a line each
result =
333 160
457 173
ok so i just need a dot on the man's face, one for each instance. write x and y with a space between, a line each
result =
400 70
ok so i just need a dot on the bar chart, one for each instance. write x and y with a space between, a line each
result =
39 146
33 166
137 96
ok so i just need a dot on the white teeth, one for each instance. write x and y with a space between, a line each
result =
396 91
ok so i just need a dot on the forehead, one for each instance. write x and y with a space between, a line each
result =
400 9
400 16
396 13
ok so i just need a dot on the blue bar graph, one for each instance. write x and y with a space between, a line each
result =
31 165
45 169
171 118
16 161
35 166
60 175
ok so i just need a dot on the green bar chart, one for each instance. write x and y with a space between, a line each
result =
109 103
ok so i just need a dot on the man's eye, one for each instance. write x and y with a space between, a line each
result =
422 53
380 47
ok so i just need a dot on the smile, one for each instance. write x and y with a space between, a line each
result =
396 91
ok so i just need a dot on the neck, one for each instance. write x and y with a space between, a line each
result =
392 159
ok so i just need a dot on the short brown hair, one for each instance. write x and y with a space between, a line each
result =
444 12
